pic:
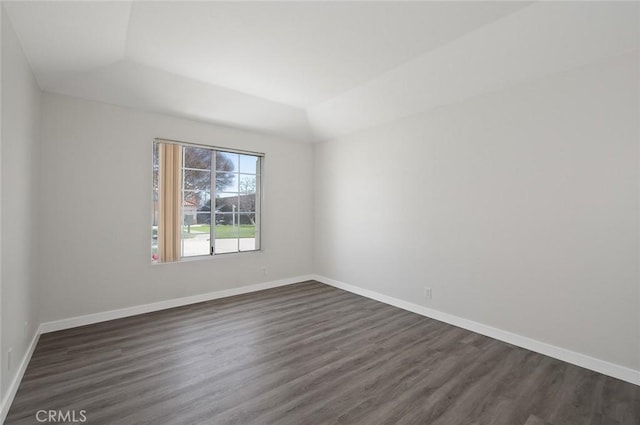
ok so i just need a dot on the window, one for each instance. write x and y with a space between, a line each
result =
206 201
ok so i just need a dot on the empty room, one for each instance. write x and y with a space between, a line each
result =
329 212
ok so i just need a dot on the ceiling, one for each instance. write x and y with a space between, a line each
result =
304 70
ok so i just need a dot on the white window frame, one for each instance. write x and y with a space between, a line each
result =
259 197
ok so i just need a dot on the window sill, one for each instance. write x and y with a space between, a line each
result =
211 257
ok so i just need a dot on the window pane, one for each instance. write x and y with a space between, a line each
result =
197 180
196 218
204 220
249 164
226 225
247 225
199 158
247 232
155 166
226 246
247 203
226 161
196 200
227 204
195 236
154 206
226 231
226 182
247 184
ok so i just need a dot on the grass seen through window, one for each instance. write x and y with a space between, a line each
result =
223 231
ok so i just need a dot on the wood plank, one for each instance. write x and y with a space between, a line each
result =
307 354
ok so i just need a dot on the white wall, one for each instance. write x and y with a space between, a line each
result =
20 152
541 39
96 198
519 208
1 371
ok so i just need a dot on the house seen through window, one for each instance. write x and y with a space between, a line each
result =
206 201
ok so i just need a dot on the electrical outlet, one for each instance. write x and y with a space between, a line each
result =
9 351
427 292
264 271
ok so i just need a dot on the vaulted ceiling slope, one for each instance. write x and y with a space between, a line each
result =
309 70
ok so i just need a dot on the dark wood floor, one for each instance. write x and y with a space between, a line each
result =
302 355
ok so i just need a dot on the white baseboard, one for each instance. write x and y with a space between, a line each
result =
15 383
88 319
578 359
